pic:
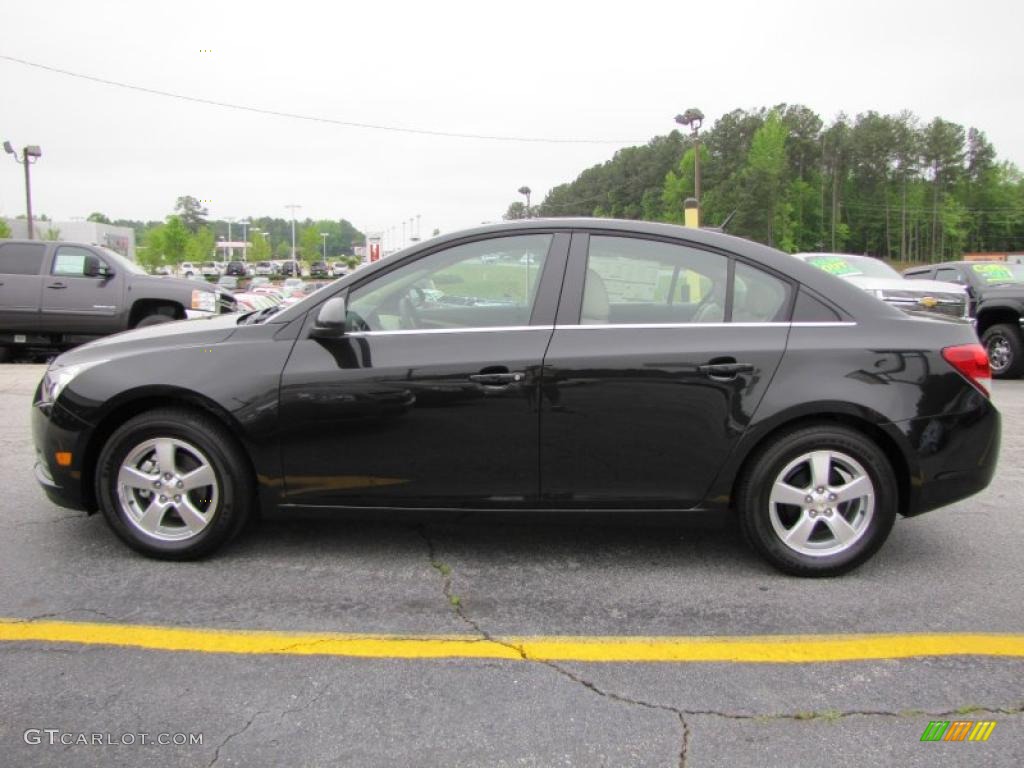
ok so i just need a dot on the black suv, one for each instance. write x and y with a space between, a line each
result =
319 269
235 269
995 291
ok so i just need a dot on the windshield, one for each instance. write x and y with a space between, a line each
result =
853 266
993 274
126 264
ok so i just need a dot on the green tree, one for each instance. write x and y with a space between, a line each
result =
99 218
311 244
193 214
5 229
199 246
260 250
516 210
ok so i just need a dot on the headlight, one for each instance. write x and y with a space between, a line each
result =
204 300
58 377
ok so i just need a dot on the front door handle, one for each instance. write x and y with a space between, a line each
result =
497 379
724 370
56 286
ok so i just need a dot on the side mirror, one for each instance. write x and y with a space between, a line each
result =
330 320
96 268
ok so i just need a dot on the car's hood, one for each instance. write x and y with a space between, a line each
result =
177 282
1006 290
199 332
899 284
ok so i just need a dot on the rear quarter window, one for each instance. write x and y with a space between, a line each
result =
810 309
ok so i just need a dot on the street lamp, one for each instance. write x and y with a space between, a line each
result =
692 119
324 236
245 239
29 155
295 266
526 191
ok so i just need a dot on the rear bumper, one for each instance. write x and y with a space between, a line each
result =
956 455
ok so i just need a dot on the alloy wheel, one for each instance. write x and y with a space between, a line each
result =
821 503
167 489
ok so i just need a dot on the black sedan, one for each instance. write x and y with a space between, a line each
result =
596 365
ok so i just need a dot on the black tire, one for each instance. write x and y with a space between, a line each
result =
234 493
155 319
1005 351
755 510
6 354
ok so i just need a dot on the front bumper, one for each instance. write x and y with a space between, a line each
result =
54 430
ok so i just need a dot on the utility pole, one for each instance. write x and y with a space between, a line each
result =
29 155
324 236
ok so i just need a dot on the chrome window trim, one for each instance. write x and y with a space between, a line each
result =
606 327
609 326
480 329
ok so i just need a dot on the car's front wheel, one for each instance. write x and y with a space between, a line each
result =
173 484
818 501
1005 351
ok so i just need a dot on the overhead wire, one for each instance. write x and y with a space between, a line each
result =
315 118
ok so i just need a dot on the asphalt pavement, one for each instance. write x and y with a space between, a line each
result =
953 570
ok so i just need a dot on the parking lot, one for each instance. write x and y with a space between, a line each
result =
501 582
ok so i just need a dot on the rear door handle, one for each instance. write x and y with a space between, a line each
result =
56 286
724 370
497 379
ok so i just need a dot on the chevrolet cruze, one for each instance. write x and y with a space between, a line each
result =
554 365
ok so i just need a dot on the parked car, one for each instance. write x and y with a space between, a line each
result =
236 269
54 295
292 285
187 269
259 280
162 271
265 268
291 269
227 282
210 269
339 269
319 269
995 291
636 366
880 280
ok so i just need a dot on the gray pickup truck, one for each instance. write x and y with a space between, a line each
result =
54 295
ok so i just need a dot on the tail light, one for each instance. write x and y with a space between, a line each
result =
971 361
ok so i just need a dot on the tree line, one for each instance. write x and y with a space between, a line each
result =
188 235
884 185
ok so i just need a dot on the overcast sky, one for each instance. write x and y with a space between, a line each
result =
617 72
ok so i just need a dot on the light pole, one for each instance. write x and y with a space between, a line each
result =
324 236
526 191
692 118
295 266
245 239
29 155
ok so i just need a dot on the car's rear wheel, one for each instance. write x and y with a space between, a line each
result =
173 484
818 501
1005 351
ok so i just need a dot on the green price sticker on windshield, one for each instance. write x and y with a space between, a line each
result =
834 266
993 273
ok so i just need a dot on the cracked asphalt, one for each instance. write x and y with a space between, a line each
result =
953 570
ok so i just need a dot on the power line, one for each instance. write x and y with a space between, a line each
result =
316 118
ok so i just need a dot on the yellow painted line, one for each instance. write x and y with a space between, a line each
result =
770 649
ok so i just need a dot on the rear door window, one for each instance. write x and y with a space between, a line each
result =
21 258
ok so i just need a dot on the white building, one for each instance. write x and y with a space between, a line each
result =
120 239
